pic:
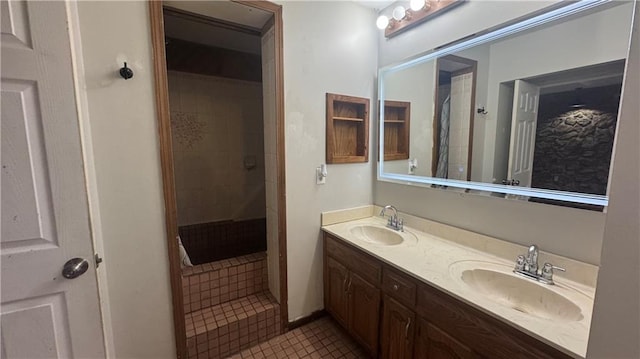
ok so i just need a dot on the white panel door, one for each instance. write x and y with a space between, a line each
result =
45 220
523 132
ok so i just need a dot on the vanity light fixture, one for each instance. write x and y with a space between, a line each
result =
403 19
382 22
399 13
417 5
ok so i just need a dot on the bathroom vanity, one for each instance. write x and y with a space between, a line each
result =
442 292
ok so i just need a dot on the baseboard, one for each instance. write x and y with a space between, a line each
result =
306 320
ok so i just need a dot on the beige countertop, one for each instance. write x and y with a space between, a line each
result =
437 255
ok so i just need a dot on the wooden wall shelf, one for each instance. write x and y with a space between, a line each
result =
347 129
397 121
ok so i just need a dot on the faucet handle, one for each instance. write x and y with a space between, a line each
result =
547 271
519 263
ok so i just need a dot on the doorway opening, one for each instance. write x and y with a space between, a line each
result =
220 107
454 117
570 141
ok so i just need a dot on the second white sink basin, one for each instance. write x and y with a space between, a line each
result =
380 235
505 288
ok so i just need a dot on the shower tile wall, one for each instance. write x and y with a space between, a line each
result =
218 148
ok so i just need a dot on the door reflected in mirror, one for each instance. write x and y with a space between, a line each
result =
530 115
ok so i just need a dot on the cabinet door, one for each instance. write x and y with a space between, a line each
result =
364 312
433 343
336 291
398 324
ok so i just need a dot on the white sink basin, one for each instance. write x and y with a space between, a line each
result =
379 235
500 285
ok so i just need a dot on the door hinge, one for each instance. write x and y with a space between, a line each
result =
98 260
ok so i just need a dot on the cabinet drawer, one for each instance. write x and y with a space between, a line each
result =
357 262
399 286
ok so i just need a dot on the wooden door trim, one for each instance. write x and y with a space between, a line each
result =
166 162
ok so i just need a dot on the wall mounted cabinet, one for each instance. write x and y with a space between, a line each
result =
347 129
397 116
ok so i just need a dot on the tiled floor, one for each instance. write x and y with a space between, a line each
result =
319 339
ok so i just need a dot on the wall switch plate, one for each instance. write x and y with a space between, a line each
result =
321 175
413 164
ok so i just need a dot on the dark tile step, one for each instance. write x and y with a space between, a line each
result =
227 328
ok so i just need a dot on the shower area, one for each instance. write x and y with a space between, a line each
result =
218 153
220 60
215 97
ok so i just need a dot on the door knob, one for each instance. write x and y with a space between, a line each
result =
74 268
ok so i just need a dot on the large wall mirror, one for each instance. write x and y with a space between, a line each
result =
527 110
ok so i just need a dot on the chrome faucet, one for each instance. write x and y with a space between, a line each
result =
528 267
394 222
531 261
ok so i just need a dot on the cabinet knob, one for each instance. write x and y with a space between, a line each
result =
396 287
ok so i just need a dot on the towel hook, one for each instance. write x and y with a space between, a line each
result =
126 72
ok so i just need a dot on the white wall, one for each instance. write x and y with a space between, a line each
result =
615 327
124 135
570 232
328 47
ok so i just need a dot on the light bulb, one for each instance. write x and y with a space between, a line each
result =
416 5
399 13
382 22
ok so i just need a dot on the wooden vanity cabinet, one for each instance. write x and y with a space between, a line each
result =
482 333
364 308
433 343
352 295
335 291
398 323
413 319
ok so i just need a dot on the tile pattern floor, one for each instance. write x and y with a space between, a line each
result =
320 339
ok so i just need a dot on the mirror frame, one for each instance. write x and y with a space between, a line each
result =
462 44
